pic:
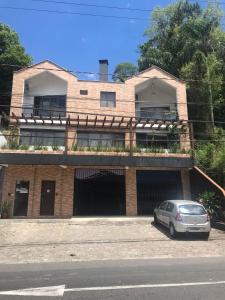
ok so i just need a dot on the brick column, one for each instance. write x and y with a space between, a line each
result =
185 143
67 192
185 178
71 138
131 192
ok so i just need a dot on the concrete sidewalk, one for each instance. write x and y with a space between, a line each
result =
48 240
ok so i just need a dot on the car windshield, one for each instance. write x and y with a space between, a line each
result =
192 209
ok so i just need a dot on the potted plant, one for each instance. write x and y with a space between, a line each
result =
5 209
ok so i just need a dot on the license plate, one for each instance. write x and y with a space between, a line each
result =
194 229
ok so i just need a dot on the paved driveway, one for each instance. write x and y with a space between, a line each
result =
97 238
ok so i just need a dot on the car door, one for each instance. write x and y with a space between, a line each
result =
161 211
168 213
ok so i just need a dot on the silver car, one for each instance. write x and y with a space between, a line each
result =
183 216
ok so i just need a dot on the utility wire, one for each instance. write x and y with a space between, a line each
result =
118 116
17 96
61 12
94 5
33 107
138 75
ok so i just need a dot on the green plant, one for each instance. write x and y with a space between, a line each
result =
13 145
211 202
75 147
55 148
23 147
38 147
5 209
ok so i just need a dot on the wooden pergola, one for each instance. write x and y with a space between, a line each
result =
100 121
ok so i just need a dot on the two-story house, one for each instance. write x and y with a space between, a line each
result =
78 147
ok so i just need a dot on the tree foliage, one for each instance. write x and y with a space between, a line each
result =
124 71
210 156
11 53
188 41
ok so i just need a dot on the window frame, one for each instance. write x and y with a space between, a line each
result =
36 134
105 102
165 204
169 206
83 92
45 105
100 139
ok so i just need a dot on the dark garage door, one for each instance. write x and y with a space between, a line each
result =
153 187
99 192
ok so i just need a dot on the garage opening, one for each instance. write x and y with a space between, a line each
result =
153 187
99 192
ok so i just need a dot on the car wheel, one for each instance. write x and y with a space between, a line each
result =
156 222
173 232
205 235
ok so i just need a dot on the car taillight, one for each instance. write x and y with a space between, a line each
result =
178 217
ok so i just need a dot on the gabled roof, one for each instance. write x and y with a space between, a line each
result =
160 70
45 61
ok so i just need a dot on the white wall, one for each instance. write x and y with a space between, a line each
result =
157 96
3 140
43 85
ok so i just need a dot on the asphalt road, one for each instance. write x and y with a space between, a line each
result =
193 278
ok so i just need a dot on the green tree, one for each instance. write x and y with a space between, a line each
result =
124 71
210 156
11 53
187 41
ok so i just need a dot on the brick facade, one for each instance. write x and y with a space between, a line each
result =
185 178
125 94
64 179
131 192
64 193
89 104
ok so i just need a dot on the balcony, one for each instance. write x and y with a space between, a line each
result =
157 113
82 143
46 106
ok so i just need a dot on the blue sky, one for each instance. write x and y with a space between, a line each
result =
78 42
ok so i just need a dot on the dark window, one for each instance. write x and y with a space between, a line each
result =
83 92
42 137
192 209
95 139
53 106
21 198
108 99
163 206
170 207
157 113
163 141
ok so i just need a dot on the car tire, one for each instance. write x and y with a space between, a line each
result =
205 235
156 222
173 232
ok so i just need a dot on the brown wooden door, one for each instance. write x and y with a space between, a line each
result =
47 198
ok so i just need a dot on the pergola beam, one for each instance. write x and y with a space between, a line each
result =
116 122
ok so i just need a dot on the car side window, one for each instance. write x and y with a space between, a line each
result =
163 206
170 207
